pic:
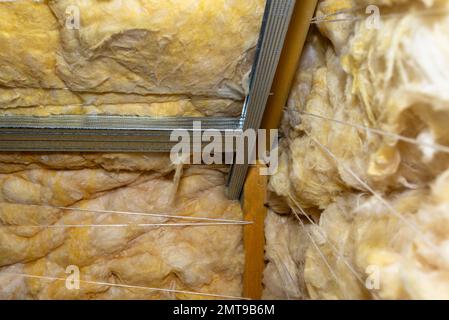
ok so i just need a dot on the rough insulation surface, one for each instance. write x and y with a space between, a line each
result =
33 187
134 57
379 204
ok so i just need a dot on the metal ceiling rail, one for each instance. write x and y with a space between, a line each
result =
101 134
146 134
274 30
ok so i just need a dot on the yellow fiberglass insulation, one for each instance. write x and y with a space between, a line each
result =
134 57
376 200
58 211
35 189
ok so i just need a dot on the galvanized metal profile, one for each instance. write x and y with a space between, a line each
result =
274 30
105 133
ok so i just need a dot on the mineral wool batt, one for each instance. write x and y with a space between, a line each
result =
67 212
135 57
379 204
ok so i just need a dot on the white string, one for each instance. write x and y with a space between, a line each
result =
438 147
318 21
154 225
157 215
128 286
285 270
333 247
336 13
422 13
323 234
410 224
321 254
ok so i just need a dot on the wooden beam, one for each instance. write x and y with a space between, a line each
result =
254 199
255 189
288 65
